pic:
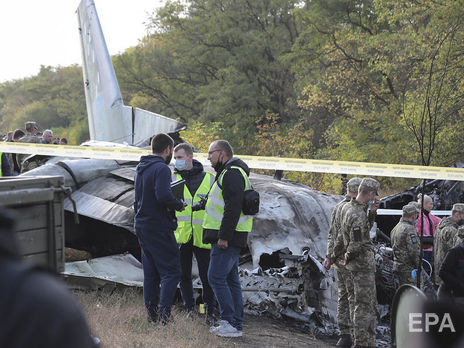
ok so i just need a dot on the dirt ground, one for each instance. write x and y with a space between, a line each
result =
267 332
118 319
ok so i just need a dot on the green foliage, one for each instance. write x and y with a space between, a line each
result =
201 135
385 77
363 80
54 99
217 60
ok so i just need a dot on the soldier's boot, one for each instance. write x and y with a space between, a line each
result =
344 341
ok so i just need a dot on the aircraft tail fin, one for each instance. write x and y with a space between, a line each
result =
109 119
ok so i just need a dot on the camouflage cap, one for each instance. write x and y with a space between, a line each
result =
370 184
458 207
31 124
411 208
353 184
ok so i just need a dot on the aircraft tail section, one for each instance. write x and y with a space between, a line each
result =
109 119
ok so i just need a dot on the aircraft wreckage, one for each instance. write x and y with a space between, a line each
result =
281 271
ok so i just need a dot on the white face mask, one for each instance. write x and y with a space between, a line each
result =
180 164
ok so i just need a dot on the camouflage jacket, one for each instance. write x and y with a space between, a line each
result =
445 237
29 138
339 245
406 246
335 226
459 236
359 250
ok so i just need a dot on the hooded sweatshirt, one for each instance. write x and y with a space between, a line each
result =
154 204
233 186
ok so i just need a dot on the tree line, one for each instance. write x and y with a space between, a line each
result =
361 80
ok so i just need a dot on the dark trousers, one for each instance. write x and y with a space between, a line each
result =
225 281
161 267
187 251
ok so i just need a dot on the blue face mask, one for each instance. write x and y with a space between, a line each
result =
372 201
180 164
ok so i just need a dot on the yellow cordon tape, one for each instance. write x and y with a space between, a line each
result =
254 162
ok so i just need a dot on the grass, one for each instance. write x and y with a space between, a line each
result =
119 319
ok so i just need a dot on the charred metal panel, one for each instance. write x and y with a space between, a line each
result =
291 215
101 209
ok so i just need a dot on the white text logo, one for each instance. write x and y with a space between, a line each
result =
429 319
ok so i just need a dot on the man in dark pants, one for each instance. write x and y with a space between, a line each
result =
36 309
227 228
155 222
189 233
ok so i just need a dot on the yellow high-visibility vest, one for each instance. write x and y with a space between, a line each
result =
190 222
215 206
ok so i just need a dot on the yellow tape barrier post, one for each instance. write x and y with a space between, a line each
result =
254 162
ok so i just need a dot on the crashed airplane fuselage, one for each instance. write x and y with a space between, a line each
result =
293 220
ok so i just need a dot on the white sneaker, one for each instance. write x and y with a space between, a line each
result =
227 330
216 326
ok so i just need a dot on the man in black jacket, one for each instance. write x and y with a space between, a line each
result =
36 309
452 272
155 222
227 228
189 232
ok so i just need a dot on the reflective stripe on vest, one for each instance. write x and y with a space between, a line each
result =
189 222
215 206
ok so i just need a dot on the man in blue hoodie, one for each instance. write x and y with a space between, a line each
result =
155 222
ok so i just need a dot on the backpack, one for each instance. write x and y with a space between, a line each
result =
250 204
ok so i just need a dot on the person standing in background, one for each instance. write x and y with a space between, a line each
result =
428 223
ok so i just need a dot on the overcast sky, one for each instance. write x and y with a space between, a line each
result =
44 32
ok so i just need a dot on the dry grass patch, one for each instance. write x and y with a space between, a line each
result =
119 319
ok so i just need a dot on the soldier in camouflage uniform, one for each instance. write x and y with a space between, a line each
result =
406 245
30 137
446 237
31 133
459 236
359 260
344 283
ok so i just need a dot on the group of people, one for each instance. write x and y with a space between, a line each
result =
418 236
351 252
206 221
421 236
11 162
